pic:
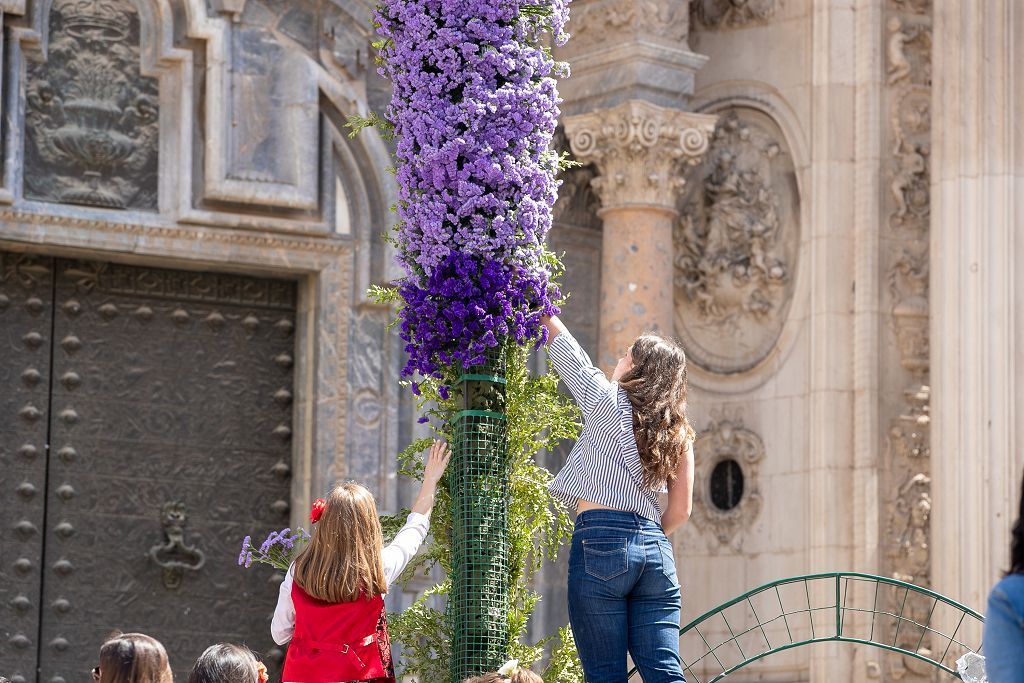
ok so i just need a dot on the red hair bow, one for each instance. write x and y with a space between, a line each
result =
318 510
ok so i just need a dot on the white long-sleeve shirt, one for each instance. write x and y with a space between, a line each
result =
395 557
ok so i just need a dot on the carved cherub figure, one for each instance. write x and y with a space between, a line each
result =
911 165
899 65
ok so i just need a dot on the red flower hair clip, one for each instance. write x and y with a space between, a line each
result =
318 510
261 672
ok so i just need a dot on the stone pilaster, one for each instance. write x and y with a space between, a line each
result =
977 289
638 148
628 49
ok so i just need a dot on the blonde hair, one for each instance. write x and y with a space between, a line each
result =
133 658
520 675
343 559
656 388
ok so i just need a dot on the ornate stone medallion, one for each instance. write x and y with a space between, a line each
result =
736 245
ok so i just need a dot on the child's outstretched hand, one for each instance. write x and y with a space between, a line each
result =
433 468
436 462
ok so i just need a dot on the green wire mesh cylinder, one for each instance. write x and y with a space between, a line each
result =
478 480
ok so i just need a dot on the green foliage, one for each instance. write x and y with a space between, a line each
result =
565 664
382 294
356 123
538 418
424 634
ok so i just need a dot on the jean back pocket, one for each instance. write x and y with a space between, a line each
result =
604 558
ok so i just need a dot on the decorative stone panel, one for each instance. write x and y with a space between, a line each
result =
904 377
736 245
92 119
726 448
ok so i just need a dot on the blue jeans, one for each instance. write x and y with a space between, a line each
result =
624 596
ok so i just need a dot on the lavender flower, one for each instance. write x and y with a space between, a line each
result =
278 550
246 544
474 107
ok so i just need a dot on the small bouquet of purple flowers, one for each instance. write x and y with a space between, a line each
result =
279 550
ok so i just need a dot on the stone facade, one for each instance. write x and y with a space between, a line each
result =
769 181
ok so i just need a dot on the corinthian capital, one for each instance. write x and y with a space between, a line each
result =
638 148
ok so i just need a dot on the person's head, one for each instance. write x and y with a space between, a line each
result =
227 663
653 374
342 561
518 675
1017 545
132 658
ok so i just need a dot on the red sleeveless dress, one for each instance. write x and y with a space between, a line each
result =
335 642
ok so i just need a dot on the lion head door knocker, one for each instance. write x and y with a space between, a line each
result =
173 555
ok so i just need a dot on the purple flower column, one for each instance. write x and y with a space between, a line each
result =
474 108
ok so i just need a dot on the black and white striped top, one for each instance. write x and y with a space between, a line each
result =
604 464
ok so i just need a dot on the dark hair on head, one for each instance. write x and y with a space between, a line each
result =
656 387
1017 544
225 663
133 658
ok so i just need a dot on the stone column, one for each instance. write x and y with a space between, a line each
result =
977 287
638 148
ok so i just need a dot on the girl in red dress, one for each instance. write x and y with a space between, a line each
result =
331 605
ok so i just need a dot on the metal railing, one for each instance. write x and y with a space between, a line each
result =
832 607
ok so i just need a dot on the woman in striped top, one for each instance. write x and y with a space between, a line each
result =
636 442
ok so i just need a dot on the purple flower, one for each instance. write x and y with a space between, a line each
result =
277 550
475 105
246 544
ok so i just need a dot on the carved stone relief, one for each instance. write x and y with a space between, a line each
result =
732 13
345 43
736 245
92 119
908 59
908 285
904 369
724 439
638 148
599 22
916 6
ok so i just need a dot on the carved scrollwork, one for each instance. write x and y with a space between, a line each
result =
92 119
726 440
594 23
638 147
736 246
732 13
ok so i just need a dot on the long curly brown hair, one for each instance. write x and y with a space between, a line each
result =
656 387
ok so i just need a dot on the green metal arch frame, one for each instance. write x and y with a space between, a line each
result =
712 650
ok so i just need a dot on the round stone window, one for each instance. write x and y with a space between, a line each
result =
726 485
